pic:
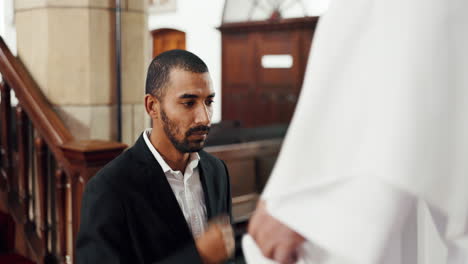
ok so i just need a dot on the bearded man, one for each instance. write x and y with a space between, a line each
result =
154 203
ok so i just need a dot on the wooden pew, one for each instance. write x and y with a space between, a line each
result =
249 165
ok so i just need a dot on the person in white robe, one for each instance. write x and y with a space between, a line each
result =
381 126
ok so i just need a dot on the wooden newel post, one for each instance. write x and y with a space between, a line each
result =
86 157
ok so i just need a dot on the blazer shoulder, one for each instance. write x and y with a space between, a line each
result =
115 173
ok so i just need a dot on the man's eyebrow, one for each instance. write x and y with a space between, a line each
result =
188 96
194 96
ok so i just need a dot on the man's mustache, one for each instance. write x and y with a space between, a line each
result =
197 129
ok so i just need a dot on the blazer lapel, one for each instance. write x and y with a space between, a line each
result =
206 177
160 192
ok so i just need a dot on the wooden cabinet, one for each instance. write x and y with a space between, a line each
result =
258 95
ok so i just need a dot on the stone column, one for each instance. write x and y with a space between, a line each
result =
68 47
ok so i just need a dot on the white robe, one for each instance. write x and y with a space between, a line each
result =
380 129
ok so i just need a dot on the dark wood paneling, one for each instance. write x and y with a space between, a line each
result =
275 86
259 96
274 43
236 57
245 179
249 166
239 89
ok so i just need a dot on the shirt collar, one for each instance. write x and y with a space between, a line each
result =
191 164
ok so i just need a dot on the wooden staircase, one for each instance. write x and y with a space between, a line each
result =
7 242
43 170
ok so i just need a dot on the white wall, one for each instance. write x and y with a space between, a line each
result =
7 25
198 19
239 10
8 32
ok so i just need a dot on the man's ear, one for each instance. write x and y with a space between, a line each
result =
152 105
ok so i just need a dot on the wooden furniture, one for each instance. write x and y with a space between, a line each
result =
167 39
249 166
251 93
43 168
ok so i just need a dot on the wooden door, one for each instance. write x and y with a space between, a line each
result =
277 89
258 94
167 39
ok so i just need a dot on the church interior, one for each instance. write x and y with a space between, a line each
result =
73 76
62 120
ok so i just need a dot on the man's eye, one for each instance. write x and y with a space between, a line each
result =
209 102
189 104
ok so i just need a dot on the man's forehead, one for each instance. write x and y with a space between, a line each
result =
191 83
179 74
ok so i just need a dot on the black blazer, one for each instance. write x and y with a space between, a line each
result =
129 213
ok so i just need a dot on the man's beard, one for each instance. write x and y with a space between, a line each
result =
184 146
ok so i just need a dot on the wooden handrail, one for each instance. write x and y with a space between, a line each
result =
34 103
50 222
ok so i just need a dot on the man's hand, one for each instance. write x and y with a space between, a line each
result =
217 243
275 240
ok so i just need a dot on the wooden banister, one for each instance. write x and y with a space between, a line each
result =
45 173
45 120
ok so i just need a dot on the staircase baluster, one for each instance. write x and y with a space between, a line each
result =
23 158
31 176
60 211
41 186
5 149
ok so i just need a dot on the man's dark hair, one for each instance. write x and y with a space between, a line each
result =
161 66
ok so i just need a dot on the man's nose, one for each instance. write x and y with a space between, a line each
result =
203 116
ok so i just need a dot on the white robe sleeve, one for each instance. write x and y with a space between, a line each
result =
343 220
352 220
381 123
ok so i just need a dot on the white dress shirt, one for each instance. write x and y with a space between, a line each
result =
187 188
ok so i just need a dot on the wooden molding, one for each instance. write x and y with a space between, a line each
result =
289 23
92 152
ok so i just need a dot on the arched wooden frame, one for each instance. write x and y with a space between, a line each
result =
165 39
